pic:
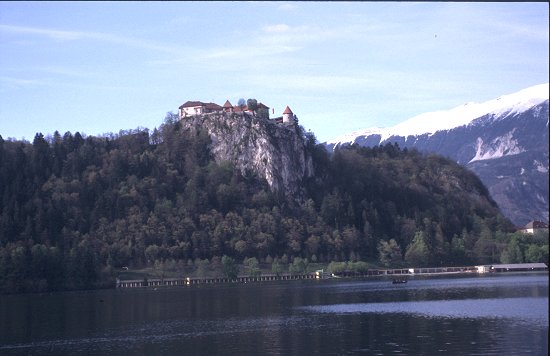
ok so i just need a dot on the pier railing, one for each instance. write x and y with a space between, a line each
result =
320 274
197 280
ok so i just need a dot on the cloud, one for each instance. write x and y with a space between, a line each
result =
66 36
241 53
308 82
287 6
279 28
52 34
70 72
21 82
283 33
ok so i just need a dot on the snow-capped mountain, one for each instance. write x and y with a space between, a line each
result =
504 141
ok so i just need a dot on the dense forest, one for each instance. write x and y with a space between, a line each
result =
76 209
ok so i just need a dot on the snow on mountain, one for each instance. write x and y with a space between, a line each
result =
540 167
501 146
431 122
503 141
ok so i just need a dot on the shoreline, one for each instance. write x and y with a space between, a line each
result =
321 275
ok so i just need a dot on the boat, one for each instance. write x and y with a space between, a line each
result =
399 280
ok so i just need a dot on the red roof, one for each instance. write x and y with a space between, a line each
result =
287 111
536 225
212 106
191 104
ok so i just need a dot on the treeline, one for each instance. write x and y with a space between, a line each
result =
75 209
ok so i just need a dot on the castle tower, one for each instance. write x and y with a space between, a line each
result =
288 115
227 107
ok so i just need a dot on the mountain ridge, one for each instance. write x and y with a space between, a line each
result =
517 128
426 123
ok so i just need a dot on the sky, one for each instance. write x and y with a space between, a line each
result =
101 67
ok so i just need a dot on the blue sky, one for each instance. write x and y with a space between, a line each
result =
98 67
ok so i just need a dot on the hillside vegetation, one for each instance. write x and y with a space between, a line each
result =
75 210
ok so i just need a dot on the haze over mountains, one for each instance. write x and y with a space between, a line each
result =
504 141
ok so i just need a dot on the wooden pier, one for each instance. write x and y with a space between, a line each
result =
320 274
158 282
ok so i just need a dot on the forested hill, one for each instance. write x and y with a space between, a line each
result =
76 209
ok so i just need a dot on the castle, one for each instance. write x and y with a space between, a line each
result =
192 108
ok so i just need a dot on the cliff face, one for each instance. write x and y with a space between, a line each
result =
273 151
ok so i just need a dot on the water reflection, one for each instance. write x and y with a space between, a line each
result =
529 310
493 315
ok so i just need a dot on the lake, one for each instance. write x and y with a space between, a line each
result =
468 315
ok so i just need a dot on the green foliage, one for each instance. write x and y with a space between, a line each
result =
253 266
417 253
358 267
252 104
276 267
521 247
390 253
230 268
202 268
299 265
76 209
337 267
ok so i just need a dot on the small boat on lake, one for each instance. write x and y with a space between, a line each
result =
399 280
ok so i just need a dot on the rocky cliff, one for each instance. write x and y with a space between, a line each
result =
273 151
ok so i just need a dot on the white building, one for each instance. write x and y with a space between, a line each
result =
191 108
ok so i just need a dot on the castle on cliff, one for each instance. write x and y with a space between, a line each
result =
192 108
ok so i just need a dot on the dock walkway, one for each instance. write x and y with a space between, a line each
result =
187 281
193 281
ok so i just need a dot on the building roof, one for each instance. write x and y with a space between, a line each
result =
536 225
227 105
191 104
287 111
212 106
520 265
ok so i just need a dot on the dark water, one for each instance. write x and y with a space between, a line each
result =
479 315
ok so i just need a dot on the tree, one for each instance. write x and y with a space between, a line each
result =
536 253
230 269
337 267
298 266
358 267
276 267
390 253
458 250
241 103
485 247
512 253
202 267
417 254
252 105
253 266
152 254
41 158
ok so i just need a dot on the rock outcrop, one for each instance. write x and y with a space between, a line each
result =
273 151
